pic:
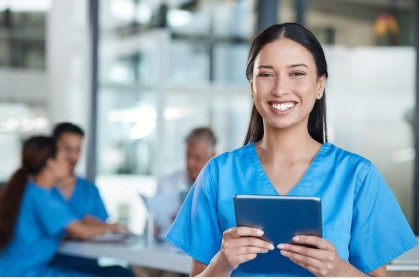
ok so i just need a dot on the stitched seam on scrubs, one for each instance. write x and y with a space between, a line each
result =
361 182
261 171
312 166
209 194
238 157
207 189
306 176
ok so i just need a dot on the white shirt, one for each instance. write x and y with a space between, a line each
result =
170 194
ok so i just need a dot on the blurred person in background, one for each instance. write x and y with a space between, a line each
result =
172 189
82 196
33 220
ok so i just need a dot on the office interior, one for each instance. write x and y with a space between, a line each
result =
138 75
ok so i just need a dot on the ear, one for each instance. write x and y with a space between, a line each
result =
320 87
251 84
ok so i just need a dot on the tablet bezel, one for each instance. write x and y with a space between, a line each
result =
257 211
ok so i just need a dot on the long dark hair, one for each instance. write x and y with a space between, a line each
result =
35 153
317 123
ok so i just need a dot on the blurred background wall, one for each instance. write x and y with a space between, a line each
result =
165 67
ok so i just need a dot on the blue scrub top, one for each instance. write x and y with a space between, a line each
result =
39 229
85 200
360 215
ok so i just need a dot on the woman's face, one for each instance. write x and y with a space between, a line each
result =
285 85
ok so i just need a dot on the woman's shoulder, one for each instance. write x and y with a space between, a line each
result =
33 188
342 155
237 153
35 194
224 162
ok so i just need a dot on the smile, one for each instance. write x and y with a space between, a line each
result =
282 106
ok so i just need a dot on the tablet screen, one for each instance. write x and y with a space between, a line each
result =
281 218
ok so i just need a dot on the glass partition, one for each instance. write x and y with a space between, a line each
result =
23 105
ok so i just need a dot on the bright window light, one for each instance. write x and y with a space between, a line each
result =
25 5
144 13
123 9
178 18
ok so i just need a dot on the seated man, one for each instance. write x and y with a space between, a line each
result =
172 189
82 197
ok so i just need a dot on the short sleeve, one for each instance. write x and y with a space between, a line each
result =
53 215
196 230
99 206
380 231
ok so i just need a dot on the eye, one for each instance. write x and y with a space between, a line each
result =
297 73
264 75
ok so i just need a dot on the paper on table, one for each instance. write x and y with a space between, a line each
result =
113 237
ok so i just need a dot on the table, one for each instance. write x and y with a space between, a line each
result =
164 256
161 256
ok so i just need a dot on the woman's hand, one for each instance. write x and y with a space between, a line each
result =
239 245
321 261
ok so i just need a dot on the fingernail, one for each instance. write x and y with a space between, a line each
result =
296 238
284 253
260 232
271 247
280 246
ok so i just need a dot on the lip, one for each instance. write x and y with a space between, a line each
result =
280 112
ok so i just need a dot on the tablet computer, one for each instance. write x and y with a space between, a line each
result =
281 218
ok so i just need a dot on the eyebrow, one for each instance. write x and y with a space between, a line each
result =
290 66
265 67
298 65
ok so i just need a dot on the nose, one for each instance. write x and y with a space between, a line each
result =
281 86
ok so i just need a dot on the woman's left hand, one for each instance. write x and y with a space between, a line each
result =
321 261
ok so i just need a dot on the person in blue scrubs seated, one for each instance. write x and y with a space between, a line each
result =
82 197
286 153
32 220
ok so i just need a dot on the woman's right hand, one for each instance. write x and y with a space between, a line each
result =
239 245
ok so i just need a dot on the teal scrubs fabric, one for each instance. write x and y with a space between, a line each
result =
85 200
39 229
361 217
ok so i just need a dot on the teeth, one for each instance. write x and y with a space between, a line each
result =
283 106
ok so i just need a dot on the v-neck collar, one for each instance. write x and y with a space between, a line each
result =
69 198
264 177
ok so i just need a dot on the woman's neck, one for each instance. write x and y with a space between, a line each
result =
287 144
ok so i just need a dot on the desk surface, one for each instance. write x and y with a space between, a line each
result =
166 257
161 256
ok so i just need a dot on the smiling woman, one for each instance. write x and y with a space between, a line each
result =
315 67
286 153
281 86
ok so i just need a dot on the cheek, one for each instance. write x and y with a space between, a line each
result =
307 90
64 165
263 85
